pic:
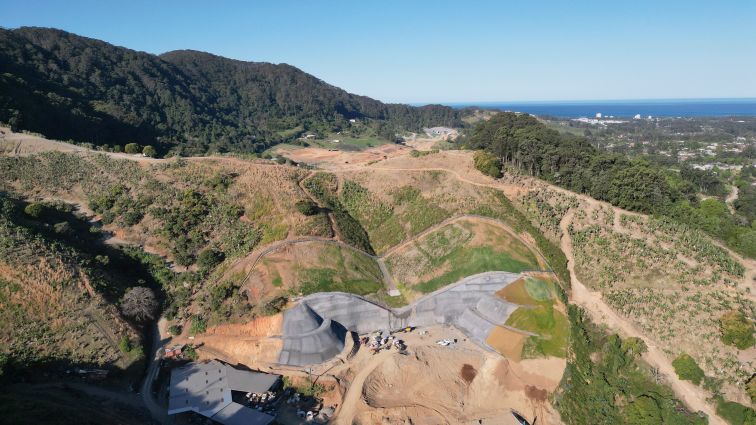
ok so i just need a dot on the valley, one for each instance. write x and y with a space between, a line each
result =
431 219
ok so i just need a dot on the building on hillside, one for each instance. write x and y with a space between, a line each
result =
206 388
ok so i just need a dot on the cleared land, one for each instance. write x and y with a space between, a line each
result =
459 249
311 267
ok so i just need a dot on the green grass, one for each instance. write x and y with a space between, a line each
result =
348 143
277 280
342 270
327 280
551 326
393 302
383 227
735 413
538 289
468 261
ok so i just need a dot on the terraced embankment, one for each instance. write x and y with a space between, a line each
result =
314 329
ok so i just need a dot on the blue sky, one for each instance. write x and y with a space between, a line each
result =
444 51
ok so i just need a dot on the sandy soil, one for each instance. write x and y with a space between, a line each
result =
455 384
255 343
333 159
507 342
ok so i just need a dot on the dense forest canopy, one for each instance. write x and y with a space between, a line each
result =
526 144
71 87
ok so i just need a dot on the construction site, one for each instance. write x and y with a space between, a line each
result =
452 349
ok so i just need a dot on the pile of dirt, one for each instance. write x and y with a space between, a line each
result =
457 386
421 373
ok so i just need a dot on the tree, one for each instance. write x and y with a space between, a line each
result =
736 330
149 151
210 258
687 369
643 411
487 164
35 210
139 303
131 148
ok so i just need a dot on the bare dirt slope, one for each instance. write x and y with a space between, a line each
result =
448 385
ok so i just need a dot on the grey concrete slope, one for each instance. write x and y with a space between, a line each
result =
468 305
309 338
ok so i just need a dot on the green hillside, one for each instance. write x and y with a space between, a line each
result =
70 87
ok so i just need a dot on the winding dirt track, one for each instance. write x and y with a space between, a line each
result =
600 312
592 302
380 259
345 414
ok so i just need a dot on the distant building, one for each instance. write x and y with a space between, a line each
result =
205 388
637 117
598 114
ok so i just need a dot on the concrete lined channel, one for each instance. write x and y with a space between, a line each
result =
314 330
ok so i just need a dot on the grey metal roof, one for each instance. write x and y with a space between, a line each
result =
199 387
206 388
236 414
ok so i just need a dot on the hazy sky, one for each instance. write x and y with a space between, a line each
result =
444 51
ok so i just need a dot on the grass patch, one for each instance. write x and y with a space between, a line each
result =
537 289
551 326
327 280
377 217
468 261
277 280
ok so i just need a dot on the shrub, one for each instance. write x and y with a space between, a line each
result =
307 207
62 228
149 151
190 353
751 387
131 148
643 411
175 330
274 306
199 325
219 293
735 413
488 164
124 344
736 330
687 369
35 210
210 258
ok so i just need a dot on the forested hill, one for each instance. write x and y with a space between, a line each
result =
522 142
70 87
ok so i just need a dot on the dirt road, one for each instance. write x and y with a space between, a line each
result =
732 197
158 412
345 414
693 396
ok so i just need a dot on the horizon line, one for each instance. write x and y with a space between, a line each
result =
576 101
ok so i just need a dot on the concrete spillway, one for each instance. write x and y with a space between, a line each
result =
314 330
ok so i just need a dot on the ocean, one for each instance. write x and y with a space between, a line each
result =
627 108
